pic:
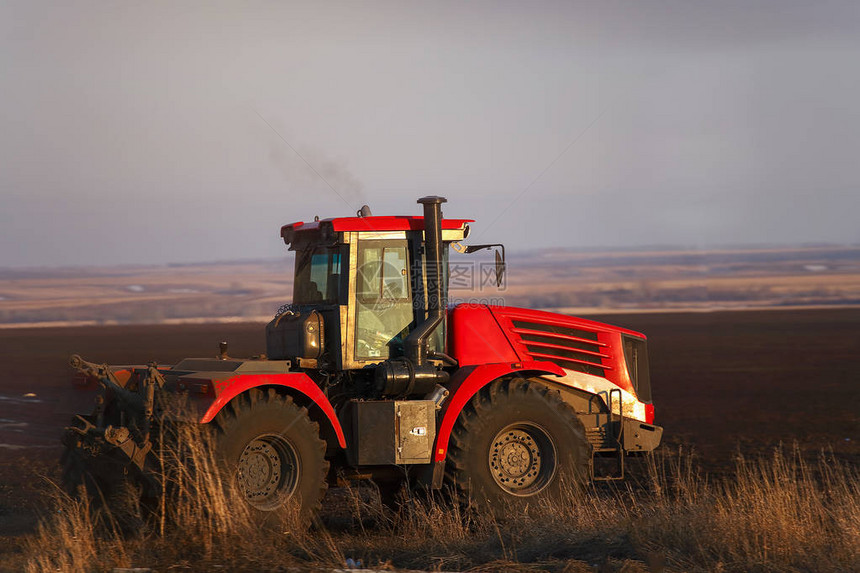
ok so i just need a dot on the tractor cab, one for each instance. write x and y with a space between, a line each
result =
362 286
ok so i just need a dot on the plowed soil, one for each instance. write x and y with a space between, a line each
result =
722 382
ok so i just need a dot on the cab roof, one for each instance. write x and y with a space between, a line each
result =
373 223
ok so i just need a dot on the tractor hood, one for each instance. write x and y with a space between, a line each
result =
481 334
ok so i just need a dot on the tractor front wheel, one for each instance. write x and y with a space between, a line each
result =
516 442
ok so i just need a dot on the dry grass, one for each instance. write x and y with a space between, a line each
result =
199 522
776 514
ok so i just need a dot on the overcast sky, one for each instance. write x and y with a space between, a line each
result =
154 132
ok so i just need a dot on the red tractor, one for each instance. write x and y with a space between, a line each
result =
370 373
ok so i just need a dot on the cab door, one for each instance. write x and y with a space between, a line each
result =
383 299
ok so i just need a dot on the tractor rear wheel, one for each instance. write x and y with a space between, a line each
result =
273 451
516 442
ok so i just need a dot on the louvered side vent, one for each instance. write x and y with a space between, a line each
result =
568 347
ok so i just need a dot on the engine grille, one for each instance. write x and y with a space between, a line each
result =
570 348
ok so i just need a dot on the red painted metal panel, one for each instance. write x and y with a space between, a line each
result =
475 337
228 389
555 335
467 381
562 347
391 223
384 223
649 413
568 359
552 318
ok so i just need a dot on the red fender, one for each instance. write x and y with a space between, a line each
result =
468 380
232 387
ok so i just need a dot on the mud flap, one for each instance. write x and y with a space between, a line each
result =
429 476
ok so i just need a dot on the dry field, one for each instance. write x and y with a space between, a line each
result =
685 280
163 294
780 387
574 281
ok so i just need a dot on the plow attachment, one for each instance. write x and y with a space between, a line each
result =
116 440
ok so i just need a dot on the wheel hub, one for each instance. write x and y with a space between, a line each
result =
267 471
522 459
260 467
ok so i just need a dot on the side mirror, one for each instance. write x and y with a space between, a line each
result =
500 257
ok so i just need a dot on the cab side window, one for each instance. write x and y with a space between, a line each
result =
317 278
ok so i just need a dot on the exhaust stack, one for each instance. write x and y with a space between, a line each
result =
413 374
415 344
